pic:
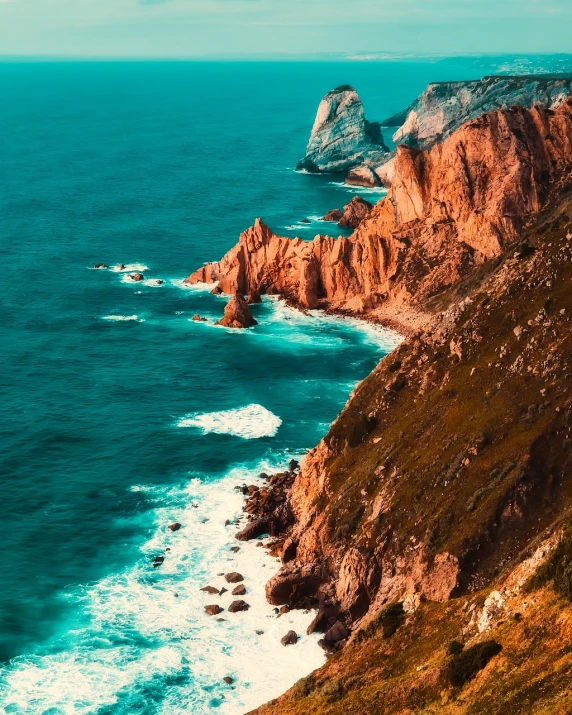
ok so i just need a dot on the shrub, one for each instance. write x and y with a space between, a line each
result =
466 664
389 619
303 688
558 569
454 648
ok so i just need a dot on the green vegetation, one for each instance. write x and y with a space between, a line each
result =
465 665
389 619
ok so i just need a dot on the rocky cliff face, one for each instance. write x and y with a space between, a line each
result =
341 137
449 472
445 106
449 210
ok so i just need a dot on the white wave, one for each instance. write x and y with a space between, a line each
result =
129 268
379 191
120 318
147 628
196 287
154 283
251 422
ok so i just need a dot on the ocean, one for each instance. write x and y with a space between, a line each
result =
120 414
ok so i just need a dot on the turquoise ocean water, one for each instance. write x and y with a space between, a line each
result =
120 415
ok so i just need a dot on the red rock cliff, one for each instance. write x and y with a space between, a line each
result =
448 209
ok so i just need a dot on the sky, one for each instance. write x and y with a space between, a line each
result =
244 28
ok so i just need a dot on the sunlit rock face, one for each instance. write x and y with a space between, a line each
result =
341 137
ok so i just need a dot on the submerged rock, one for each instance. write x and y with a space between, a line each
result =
137 277
174 527
341 137
100 266
237 314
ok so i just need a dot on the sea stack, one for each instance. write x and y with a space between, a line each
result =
237 314
341 137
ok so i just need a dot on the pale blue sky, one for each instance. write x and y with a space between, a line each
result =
187 28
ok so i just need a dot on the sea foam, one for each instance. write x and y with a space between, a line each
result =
121 318
250 422
146 643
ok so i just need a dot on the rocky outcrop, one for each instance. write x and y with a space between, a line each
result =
355 212
445 106
237 314
448 210
363 176
341 137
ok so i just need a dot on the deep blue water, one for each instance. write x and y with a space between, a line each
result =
161 164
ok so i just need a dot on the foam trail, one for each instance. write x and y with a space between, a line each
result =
250 422
130 268
121 318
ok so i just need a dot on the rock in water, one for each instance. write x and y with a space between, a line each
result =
363 176
237 606
333 215
237 314
291 638
234 577
213 609
341 137
355 212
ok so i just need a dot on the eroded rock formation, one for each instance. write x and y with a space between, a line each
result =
448 210
341 137
237 313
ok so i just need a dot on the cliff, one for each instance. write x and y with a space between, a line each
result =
448 211
436 515
445 106
341 137
431 526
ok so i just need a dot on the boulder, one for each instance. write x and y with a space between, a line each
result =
291 638
234 577
174 527
199 319
237 314
253 530
293 584
137 277
157 561
100 266
338 632
213 609
239 590
237 606
217 290
228 680
363 176
355 212
333 215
